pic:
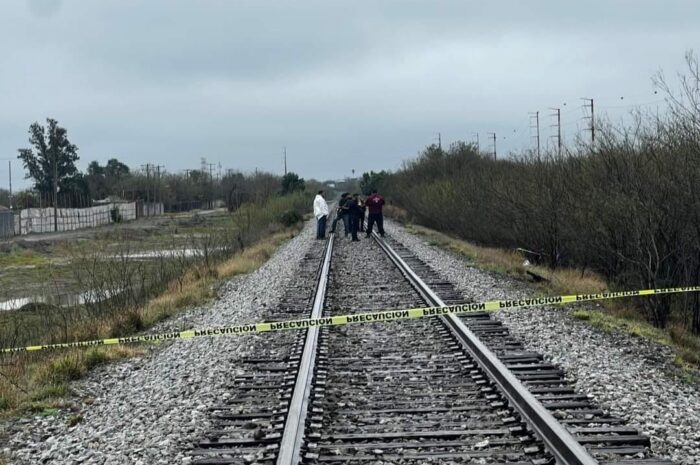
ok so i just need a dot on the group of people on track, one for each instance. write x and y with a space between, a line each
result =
352 210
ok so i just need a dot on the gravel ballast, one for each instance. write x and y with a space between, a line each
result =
627 376
149 410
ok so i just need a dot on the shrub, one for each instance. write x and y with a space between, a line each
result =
290 218
626 207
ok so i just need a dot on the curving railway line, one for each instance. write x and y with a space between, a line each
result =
438 390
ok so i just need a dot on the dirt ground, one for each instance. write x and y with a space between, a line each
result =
40 263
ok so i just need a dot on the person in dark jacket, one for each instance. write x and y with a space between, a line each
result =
363 212
354 212
339 213
344 207
375 204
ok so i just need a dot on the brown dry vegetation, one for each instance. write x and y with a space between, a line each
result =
610 315
34 382
626 207
37 381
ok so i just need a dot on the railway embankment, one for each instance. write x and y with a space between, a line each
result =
633 377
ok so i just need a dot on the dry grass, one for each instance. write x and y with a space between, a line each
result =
614 316
511 263
38 382
198 285
18 257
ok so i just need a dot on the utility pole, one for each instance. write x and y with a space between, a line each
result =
557 113
439 140
55 192
592 117
148 186
285 160
493 137
536 115
478 150
9 173
159 192
211 171
211 185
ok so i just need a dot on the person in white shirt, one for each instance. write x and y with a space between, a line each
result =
321 214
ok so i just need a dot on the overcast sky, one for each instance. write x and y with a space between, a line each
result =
343 84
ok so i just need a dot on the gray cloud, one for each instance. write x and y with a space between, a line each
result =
343 84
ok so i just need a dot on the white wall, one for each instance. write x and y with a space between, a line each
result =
41 220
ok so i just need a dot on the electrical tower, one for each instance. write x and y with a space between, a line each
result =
589 105
557 114
439 139
493 138
536 116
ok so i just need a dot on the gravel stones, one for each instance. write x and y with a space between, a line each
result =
150 410
627 376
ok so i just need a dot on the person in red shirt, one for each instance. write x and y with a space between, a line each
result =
375 203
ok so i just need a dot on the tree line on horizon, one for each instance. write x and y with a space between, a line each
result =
50 163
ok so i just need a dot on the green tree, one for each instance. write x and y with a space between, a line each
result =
291 182
52 155
105 180
115 170
371 181
4 197
95 178
26 199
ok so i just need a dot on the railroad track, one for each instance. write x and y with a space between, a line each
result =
440 390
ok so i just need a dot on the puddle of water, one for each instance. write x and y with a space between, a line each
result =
164 253
68 300
61 300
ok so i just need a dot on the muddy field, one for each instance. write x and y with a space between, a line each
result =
42 268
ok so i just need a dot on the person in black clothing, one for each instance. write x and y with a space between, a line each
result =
363 211
339 213
344 208
354 211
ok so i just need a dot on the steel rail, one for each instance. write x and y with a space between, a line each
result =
559 442
290 446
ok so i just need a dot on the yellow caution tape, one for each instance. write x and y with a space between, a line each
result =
386 315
